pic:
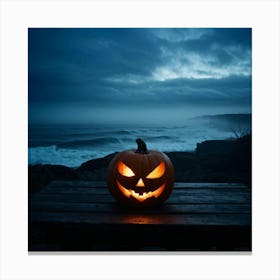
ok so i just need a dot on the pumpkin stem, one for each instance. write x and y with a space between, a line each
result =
142 147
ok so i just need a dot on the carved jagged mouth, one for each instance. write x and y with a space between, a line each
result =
141 196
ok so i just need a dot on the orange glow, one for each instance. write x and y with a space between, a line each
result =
145 195
140 183
157 172
125 170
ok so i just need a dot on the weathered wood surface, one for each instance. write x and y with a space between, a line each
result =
218 211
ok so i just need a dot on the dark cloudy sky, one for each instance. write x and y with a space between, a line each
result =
127 76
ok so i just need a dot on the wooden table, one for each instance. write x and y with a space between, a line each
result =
83 216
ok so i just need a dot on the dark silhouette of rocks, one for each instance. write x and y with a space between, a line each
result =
96 163
40 175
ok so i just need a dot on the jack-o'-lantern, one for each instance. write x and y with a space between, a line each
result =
141 177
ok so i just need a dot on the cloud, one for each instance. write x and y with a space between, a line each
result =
181 34
212 54
198 54
116 68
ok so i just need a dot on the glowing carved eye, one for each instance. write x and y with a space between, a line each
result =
157 172
125 170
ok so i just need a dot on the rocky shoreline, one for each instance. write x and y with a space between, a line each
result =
212 161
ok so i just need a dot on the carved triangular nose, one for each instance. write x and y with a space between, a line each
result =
140 183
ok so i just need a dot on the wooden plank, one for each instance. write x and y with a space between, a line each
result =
103 184
104 190
209 185
189 196
51 206
75 190
199 216
151 219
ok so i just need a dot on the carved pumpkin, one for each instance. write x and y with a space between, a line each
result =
141 177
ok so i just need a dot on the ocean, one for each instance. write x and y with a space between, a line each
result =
71 145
